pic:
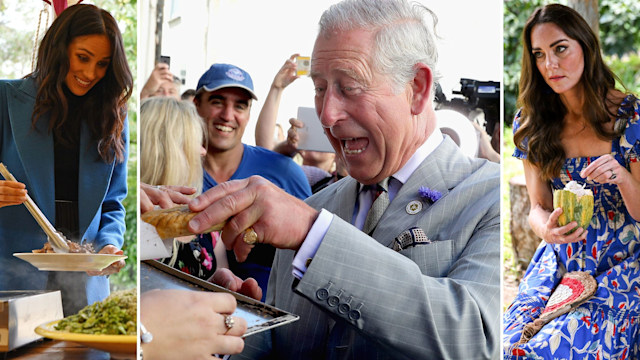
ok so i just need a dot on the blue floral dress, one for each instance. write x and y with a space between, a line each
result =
606 326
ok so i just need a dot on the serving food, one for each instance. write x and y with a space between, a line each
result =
109 325
59 242
115 315
69 262
74 248
576 203
173 222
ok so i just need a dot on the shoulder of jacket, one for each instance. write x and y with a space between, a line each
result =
19 87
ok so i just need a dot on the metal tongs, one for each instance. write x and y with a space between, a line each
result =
56 239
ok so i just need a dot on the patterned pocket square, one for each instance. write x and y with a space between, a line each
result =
409 238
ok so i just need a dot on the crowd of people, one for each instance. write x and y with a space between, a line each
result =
385 142
387 247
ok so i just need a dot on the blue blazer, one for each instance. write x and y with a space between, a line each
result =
28 154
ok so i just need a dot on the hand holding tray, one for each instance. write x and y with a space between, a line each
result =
259 316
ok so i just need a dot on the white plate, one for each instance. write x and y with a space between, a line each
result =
69 262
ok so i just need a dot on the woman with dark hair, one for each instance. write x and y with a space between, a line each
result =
64 136
574 125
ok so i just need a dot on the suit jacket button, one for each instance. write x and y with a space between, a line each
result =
354 315
344 308
334 300
322 294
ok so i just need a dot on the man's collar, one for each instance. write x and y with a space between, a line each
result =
417 158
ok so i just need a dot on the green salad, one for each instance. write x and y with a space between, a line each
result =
115 315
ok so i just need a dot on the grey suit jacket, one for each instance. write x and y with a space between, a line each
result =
436 300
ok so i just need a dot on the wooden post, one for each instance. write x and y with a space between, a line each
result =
523 239
589 11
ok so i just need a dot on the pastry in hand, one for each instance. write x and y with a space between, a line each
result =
173 222
577 205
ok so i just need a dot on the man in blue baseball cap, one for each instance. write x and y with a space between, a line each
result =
223 99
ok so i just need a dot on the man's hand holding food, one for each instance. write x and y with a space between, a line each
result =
277 218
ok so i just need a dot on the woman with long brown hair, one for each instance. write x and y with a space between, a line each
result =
579 297
64 136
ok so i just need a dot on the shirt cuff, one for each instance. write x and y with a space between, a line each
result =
311 243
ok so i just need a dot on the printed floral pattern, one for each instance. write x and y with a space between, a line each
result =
193 258
607 325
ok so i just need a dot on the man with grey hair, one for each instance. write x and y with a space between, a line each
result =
401 259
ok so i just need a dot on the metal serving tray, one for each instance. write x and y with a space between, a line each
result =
21 311
259 316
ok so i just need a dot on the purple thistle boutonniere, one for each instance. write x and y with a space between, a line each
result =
428 194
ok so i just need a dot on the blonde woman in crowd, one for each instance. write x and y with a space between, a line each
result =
171 139
171 147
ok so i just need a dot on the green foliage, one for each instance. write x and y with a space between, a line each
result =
13 45
627 69
619 34
127 277
18 22
619 26
516 14
125 13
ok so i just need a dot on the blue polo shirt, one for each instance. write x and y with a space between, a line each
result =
277 168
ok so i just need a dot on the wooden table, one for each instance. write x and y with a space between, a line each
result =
46 349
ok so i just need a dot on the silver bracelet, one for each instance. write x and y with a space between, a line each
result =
145 338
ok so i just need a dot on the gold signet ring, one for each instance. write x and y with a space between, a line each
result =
250 237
